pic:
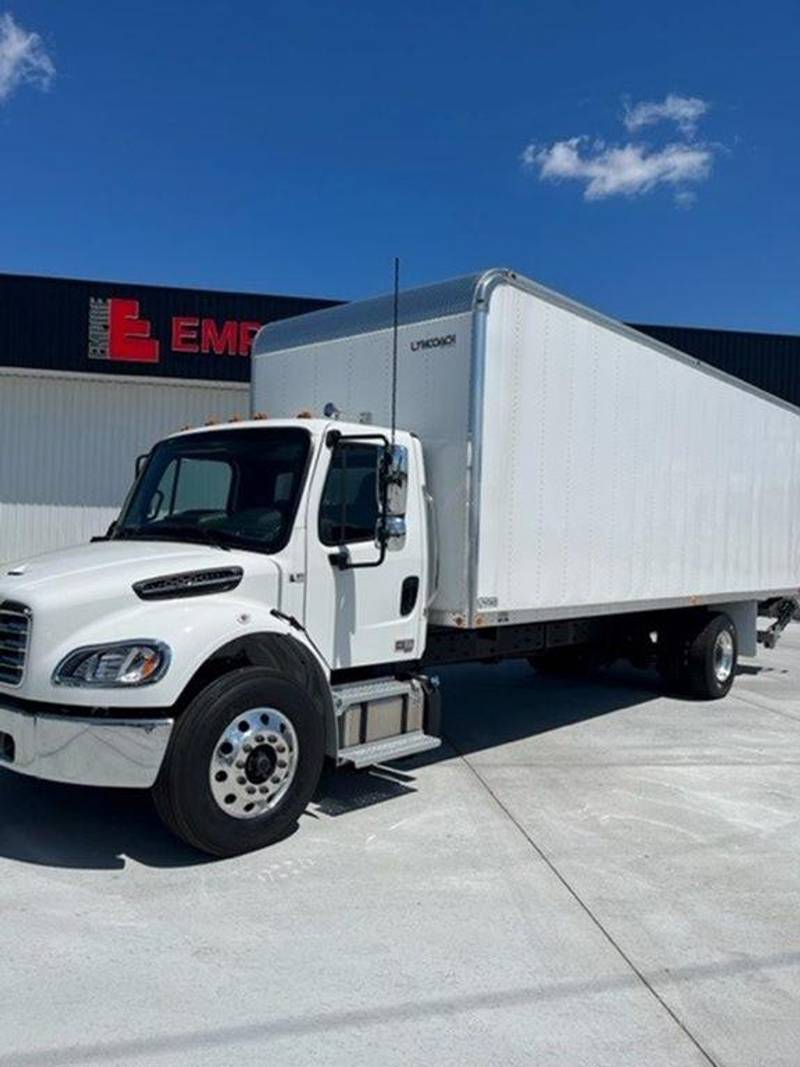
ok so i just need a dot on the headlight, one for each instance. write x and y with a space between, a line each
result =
122 664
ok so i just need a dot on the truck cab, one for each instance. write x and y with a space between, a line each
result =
306 494
286 556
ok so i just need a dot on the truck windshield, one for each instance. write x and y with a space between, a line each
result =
233 488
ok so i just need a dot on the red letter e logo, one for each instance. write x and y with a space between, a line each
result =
129 336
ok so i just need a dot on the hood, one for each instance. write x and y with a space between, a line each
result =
106 571
85 596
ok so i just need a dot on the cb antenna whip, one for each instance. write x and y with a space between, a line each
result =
394 342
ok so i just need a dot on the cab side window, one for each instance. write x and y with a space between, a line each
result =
349 507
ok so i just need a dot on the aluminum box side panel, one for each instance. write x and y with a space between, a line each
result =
614 473
433 402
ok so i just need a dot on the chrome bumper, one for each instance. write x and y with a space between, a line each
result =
105 752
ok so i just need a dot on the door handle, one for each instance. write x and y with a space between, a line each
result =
408 594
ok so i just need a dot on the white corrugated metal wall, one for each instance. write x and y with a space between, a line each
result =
68 445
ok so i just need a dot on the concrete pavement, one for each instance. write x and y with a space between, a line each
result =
586 875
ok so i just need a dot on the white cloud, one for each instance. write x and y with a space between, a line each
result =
626 170
23 59
684 111
634 168
685 197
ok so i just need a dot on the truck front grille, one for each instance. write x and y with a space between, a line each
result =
15 630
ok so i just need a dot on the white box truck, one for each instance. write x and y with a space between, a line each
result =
536 481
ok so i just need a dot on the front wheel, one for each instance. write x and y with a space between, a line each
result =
242 763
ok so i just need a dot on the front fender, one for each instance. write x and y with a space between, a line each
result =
281 651
195 631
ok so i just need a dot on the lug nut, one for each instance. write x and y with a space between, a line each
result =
251 789
263 789
247 748
281 762
240 763
260 739
276 779
241 779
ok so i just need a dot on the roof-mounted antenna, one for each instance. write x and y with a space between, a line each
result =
394 343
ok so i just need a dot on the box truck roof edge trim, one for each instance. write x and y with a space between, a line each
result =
469 292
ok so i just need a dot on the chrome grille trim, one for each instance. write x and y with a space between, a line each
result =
15 636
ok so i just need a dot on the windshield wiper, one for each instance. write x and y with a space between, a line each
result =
175 532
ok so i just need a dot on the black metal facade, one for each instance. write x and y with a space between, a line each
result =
62 324
770 361
118 328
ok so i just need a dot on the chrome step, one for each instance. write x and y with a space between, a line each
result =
390 748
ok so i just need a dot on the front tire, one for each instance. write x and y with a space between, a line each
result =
243 761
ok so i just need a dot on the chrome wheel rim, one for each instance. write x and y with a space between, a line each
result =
253 763
723 656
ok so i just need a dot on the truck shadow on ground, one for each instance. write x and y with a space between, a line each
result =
488 706
484 707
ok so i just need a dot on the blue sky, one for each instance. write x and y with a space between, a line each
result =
296 147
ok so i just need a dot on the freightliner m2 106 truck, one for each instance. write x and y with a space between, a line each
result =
556 487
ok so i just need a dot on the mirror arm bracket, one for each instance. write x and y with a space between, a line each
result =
341 559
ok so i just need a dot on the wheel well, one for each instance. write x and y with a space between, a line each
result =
277 652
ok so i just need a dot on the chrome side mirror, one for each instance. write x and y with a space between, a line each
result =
395 480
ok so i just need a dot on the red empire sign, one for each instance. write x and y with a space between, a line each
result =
118 331
192 334
128 335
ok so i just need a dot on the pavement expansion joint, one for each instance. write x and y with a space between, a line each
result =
586 909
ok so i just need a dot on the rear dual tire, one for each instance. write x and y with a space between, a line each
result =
243 761
700 659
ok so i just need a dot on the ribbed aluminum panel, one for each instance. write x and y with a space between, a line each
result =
368 316
616 474
75 441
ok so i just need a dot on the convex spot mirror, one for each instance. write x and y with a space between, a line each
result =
393 498
393 485
391 531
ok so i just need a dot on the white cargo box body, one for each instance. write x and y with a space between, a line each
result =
578 467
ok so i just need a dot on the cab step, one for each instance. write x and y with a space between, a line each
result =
385 719
388 749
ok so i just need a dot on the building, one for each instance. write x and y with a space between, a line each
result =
770 361
92 373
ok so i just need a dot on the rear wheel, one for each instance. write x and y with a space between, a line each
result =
701 658
243 761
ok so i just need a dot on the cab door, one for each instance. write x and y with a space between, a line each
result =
365 612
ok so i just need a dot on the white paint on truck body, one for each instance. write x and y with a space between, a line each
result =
433 402
577 466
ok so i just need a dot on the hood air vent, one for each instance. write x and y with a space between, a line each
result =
189 583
